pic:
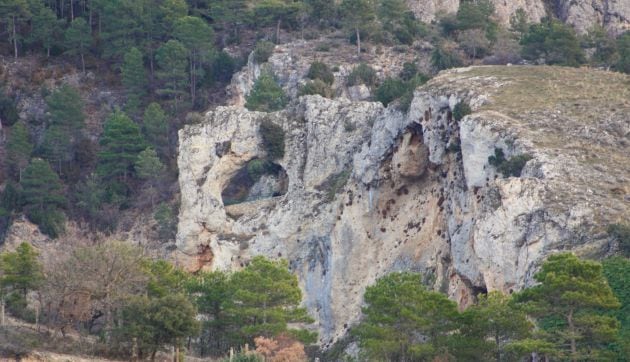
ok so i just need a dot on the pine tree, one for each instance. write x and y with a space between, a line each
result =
134 78
398 310
492 325
57 147
19 150
570 290
266 95
171 59
65 107
77 39
266 299
149 168
20 272
42 197
156 128
358 14
45 27
197 37
121 143
12 13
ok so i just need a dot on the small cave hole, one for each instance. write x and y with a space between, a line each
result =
258 179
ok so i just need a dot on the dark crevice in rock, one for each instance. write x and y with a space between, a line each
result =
258 179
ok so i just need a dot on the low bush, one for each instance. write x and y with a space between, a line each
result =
263 51
267 95
390 90
316 86
621 233
445 58
508 167
321 71
273 139
461 110
362 74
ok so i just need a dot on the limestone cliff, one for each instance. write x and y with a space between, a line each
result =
363 190
614 15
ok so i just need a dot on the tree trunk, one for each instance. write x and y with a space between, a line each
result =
278 32
498 353
572 336
15 49
358 42
83 62
2 311
71 10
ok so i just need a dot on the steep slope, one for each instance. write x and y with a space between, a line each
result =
370 190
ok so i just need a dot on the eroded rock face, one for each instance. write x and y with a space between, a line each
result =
372 190
430 10
614 15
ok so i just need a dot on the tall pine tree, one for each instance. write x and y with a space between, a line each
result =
42 197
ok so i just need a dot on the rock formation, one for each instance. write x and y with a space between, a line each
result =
372 190
614 15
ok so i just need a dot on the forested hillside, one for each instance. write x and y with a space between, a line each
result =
93 94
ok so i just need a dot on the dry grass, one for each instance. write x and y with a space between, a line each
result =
577 118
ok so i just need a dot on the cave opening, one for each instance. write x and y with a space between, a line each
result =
258 179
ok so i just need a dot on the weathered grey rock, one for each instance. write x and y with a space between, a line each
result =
430 10
614 15
372 190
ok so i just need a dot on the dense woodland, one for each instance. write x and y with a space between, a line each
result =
174 57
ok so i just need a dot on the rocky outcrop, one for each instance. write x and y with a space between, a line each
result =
613 15
430 10
372 190
290 64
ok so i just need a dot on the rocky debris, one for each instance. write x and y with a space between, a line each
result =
372 190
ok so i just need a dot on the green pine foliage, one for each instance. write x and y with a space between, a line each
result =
19 149
42 197
398 310
568 293
262 299
553 41
172 61
134 78
121 143
266 95
77 39
156 127
263 51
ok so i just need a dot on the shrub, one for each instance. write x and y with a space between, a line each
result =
8 110
263 51
621 233
409 71
554 41
623 46
267 95
461 110
321 71
316 86
390 90
223 66
508 167
362 74
273 139
445 58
